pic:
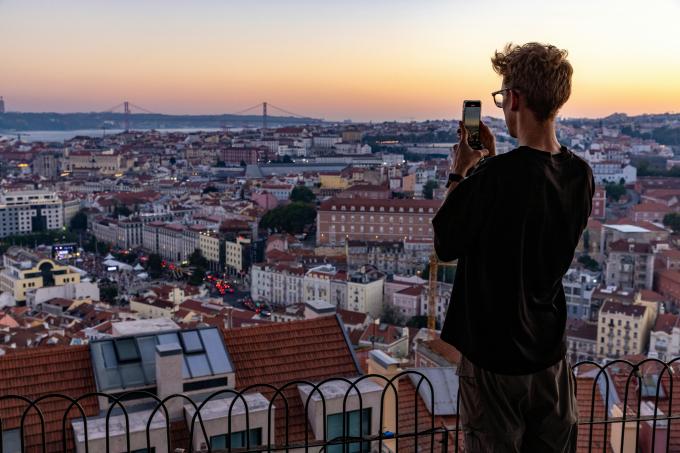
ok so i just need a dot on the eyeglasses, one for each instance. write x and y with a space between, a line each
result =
499 97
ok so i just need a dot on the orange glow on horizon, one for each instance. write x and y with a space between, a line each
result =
419 61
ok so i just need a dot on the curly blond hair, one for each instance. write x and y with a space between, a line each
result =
539 71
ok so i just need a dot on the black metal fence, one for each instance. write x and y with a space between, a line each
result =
650 380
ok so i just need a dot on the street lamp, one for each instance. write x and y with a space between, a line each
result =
376 322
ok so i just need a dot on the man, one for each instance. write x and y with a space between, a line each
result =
513 225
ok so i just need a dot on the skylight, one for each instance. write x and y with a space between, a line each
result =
130 362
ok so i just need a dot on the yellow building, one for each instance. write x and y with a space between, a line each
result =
108 162
235 256
209 244
333 181
623 329
25 271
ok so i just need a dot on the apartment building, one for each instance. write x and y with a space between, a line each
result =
345 219
579 285
406 257
581 340
279 284
664 338
25 271
28 211
365 291
623 329
630 265
237 254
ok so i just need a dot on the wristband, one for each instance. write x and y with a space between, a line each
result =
454 177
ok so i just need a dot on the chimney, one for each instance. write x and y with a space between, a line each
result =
169 376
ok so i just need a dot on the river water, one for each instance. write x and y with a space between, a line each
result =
60 136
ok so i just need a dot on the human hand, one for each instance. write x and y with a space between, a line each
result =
464 156
487 138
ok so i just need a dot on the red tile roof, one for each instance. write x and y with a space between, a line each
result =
276 354
589 411
35 372
577 328
377 203
665 322
628 310
351 317
624 246
410 402
651 296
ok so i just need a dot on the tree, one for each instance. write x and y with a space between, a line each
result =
243 163
220 164
173 161
287 159
390 315
78 222
291 218
672 220
197 259
589 263
421 322
197 276
154 265
108 293
615 191
210 189
121 210
586 240
303 194
445 274
429 187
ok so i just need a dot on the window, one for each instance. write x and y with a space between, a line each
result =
126 350
237 440
335 429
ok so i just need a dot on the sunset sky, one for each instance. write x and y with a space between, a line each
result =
358 59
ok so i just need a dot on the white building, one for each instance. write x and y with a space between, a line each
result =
613 171
279 284
365 292
579 286
664 339
27 211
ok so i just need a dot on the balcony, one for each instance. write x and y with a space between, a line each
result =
624 406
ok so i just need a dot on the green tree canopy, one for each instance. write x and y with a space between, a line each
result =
615 191
429 187
154 265
672 220
197 259
303 194
589 263
79 221
291 218
122 210
197 277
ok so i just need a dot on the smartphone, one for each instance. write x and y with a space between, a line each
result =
472 113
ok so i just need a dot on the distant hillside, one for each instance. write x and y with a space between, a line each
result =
13 121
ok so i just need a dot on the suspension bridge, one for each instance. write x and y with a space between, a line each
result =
127 108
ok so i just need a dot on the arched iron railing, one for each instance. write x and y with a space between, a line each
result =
427 432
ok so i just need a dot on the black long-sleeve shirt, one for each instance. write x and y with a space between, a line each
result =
513 225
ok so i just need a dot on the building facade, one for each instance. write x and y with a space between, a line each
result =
344 219
25 271
29 211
